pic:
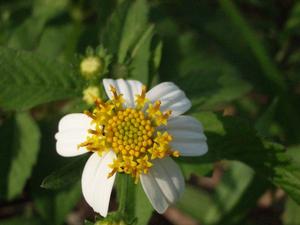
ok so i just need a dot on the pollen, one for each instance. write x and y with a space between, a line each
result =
130 132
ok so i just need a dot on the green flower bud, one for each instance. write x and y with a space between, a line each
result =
90 94
91 66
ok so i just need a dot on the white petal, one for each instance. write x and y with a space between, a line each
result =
96 187
72 130
171 97
154 193
74 121
129 89
169 178
188 136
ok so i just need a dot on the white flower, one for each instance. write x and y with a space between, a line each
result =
135 133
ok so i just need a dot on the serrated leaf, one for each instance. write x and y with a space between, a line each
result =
23 146
29 79
234 139
66 175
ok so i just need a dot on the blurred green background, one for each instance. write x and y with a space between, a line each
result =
238 61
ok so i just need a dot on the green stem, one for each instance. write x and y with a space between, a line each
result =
125 195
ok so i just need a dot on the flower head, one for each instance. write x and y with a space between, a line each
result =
137 133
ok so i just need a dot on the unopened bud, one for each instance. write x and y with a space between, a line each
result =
91 66
91 94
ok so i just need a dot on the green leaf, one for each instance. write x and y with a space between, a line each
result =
194 68
269 68
29 79
23 146
65 202
134 27
155 60
59 42
264 122
65 176
27 34
246 202
141 57
49 9
127 26
195 202
293 23
112 34
238 183
291 214
234 139
188 168
54 206
143 208
229 191
125 195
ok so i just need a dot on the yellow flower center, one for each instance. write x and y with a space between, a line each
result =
132 133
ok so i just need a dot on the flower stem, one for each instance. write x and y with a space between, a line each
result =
125 195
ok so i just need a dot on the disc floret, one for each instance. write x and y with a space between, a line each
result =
130 132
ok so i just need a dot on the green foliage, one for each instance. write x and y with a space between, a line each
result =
28 80
27 34
66 175
18 153
291 215
143 208
239 58
267 159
